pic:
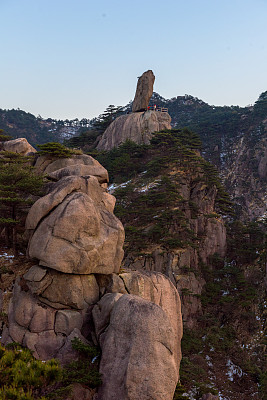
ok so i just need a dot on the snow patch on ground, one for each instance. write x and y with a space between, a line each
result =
209 363
145 188
115 186
233 370
6 256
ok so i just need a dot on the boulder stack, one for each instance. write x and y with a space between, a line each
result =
73 235
76 289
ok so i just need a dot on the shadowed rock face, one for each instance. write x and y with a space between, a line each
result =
137 127
144 91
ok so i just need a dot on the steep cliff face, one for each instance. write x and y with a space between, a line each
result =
170 216
173 208
77 242
245 172
234 139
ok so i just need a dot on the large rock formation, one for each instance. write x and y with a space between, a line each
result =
144 91
78 165
21 146
77 240
93 244
137 127
138 349
73 234
141 124
151 286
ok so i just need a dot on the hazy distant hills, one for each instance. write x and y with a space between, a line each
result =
213 123
37 130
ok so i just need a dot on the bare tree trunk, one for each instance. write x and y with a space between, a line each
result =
14 239
14 232
7 236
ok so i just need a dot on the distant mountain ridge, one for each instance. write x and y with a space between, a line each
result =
234 139
185 110
38 130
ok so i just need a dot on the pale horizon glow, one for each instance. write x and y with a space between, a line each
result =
71 59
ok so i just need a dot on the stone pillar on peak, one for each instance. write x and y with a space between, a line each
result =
144 91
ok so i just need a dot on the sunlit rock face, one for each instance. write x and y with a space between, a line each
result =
141 123
137 127
144 91
20 146
73 234
77 165
138 324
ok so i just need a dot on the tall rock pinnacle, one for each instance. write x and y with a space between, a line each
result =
144 91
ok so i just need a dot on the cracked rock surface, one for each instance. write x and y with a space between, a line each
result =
75 290
73 234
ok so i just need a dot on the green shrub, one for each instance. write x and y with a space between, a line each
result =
179 393
85 369
21 373
57 150
85 349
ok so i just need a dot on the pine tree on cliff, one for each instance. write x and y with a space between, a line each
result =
4 137
18 183
104 120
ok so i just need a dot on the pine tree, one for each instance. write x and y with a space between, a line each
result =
104 120
18 183
4 137
55 149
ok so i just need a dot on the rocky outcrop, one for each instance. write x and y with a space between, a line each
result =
245 173
182 266
137 127
45 318
138 349
73 233
78 165
151 286
141 124
76 291
154 287
20 146
93 244
144 91
61 290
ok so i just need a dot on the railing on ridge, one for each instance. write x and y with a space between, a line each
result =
155 108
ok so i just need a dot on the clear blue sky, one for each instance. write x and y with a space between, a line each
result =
72 58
